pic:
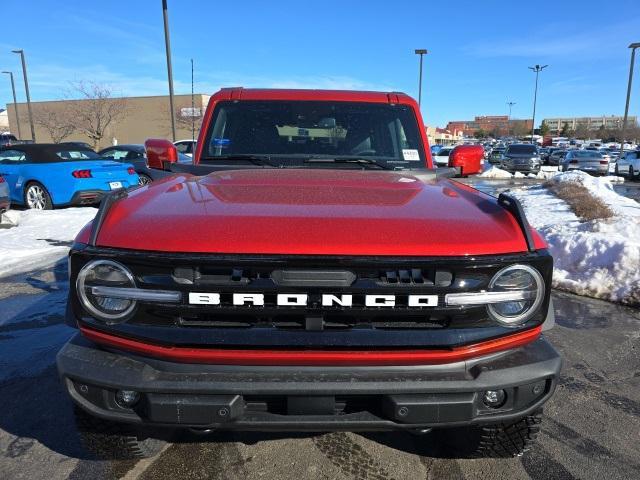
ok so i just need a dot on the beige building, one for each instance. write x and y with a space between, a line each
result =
140 118
442 136
590 123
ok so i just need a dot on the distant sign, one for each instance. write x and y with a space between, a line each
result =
190 112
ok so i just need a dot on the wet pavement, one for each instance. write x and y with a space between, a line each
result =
590 430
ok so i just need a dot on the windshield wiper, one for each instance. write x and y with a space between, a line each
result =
349 159
251 157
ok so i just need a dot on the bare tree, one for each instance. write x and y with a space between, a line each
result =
57 123
96 110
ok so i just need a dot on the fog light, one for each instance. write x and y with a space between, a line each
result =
494 398
127 398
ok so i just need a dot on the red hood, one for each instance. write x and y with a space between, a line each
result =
311 211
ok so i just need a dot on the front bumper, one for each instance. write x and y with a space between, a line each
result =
524 168
308 398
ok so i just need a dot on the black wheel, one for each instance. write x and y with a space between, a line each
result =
144 179
617 172
501 440
631 174
115 441
36 197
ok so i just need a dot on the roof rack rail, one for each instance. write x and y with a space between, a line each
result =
513 205
105 205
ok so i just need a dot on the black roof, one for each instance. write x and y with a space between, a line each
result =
125 146
45 152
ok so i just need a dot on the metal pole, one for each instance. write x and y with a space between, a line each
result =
193 108
633 47
536 69
535 99
167 45
511 104
421 52
15 103
26 89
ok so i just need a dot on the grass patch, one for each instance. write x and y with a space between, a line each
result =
580 200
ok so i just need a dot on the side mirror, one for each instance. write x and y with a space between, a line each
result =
161 153
467 159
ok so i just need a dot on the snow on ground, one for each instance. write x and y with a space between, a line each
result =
40 237
599 258
498 173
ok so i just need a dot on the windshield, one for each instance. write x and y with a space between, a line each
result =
289 132
522 149
586 154
77 154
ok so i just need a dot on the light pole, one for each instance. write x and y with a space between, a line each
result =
633 47
537 69
421 52
167 46
193 109
511 104
26 89
15 103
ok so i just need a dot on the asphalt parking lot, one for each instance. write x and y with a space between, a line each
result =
590 429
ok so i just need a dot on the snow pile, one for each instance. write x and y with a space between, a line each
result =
498 173
599 258
495 172
39 237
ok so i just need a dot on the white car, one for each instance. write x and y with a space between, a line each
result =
186 147
629 164
441 159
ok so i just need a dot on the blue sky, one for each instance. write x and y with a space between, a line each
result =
477 61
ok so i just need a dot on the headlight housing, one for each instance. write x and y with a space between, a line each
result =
520 281
105 273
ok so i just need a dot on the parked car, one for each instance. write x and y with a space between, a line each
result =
521 157
441 157
496 155
187 147
4 195
629 164
44 176
555 156
136 155
590 161
544 154
317 274
7 139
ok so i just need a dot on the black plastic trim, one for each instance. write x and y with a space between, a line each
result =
513 205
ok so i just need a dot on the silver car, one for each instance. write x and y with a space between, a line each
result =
629 165
589 161
4 194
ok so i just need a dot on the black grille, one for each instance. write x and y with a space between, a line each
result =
342 327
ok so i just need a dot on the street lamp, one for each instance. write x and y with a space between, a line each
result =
26 89
421 52
167 46
633 47
15 103
511 104
537 69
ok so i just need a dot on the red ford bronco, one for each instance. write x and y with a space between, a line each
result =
310 271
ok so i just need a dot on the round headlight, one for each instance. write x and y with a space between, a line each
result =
517 279
105 273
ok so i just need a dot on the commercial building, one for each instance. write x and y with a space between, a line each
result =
495 124
442 136
611 122
136 118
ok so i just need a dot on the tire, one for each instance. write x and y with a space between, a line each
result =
115 441
36 197
616 171
144 179
501 440
631 174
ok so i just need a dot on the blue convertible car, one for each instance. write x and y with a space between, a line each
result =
44 176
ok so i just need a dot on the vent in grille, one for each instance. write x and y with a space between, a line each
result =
416 276
210 276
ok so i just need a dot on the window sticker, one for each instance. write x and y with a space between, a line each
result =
222 142
410 154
